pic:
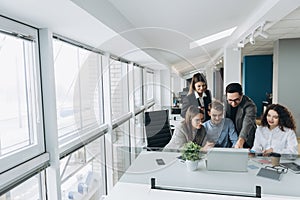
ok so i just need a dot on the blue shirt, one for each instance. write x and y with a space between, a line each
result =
222 134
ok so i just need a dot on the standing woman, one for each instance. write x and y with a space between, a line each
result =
198 96
277 132
190 129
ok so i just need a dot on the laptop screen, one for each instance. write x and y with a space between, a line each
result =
227 159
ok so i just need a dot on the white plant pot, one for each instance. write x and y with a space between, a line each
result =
191 165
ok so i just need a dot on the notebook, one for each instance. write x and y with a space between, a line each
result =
227 159
268 173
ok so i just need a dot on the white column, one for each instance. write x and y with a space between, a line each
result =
286 76
165 85
275 72
210 80
49 100
145 83
157 90
131 87
131 109
108 120
232 66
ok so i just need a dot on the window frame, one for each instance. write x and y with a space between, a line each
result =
24 154
75 139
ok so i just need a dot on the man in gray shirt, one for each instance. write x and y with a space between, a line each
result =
242 111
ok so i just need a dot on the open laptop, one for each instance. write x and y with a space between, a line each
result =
227 159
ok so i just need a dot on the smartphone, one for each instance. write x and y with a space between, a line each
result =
160 161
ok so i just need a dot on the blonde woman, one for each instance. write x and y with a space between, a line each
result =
190 129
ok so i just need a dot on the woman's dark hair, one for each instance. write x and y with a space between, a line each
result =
198 77
234 87
286 118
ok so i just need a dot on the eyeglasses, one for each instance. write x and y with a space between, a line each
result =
198 120
237 100
278 169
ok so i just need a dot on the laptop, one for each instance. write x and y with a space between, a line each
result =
227 159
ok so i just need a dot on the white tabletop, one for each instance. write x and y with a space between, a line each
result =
174 174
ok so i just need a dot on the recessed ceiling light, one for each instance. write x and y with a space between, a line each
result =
212 38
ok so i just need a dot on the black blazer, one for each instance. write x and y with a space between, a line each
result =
192 100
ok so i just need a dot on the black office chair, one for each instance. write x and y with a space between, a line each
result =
158 129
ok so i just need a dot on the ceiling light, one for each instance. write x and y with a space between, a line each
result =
251 39
212 38
241 44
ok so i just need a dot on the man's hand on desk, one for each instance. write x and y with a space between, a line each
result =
239 143
208 146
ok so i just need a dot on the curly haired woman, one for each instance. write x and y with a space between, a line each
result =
277 132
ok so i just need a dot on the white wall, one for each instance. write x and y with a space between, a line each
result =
210 79
286 88
165 85
163 91
177 83
232 66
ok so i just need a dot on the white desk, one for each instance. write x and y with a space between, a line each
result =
175 174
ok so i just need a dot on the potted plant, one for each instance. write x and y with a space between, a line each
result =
191 154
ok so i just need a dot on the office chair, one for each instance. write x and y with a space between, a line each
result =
158 129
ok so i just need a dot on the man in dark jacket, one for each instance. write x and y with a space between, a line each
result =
242 111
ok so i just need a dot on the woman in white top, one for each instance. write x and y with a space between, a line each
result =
277 132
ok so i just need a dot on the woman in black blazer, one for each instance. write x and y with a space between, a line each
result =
198 95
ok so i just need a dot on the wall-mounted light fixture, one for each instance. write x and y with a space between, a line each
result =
259 30
219 61
252 39
262 32
241 44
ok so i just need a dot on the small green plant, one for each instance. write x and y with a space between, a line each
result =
191 151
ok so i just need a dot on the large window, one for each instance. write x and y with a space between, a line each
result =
81 172
78 90
139 136
31 189
21 119
119 88
121 150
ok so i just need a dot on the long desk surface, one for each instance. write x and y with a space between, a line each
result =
174 174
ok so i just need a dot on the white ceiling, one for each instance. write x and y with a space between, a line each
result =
158 33
164 29
287 27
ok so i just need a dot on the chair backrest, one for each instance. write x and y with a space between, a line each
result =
158 129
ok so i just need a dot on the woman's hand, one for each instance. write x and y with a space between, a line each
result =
267 152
